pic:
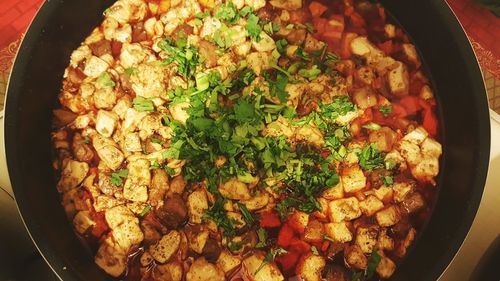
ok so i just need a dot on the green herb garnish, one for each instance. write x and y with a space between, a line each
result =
116 178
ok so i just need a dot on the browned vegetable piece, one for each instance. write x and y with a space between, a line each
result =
355 257
173 213
151 235
159 185
413 202
82 151
296 36
212 250
139 33
100 48
208 52
314 231
384 138
336 273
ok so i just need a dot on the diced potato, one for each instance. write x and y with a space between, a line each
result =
198 241
310 267
395 158
353 179
146 259
166 247
298 220
310 134
197 203
258 61
416 136
201 270
228 262
125 227
257 202
386 268
268 272
235 190
366 238
134 191
390 30
132 143
344 209
312 44
370 205
255 4
355 257
388 217
336 192
108 152
179 113
111 258
314 231
410 54
338 231
178 184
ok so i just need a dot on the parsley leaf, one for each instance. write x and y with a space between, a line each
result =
105 80
370 158
385 109
143 104
388 180
253 28
262 235
116 178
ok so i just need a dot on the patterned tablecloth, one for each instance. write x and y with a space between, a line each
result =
482 27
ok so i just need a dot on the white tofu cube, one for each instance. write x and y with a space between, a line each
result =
105 123
338 231
344 209
366 238
399 80
371 205
388 217
353 179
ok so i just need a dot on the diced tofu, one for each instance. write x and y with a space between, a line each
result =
73 173
210 26
384 241
390 30
258 61
132 119
121 107
280 127
132 55
105 98
166 247
95 67
104 202
426 170
178 111
338 231
310 267
312 44
388 217
235 190
108 152
228 262
135 192
401 189
171 271
355 257
310 134
344 209
416 136
289 5
411 152
125 227
257 202
361 46
385 267
78 55
198 240
347 118
83 221
255 4
314 231
353 179
178 184
132 143
426 93
298 220
111 258
366 238
105 123
398 80
371 205
268 272
202 270
149 80
146 259
431 148
336 192
197 203
410 54
395 158
265 44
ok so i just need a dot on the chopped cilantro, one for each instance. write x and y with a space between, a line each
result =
217 214
356 276
372 264
262 235
385 109
372 126
116 178
311 73
281 45
145 211
203 15
104 80
143 104
326 237
277 88
314 250
370 158
186 57
155 140
253 28
227 12
86 139
340 106
388 180
247 216
245 11
270 256
131 71
169 171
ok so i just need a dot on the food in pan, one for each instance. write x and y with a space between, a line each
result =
246 140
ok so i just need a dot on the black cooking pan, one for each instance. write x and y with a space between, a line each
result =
61 25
